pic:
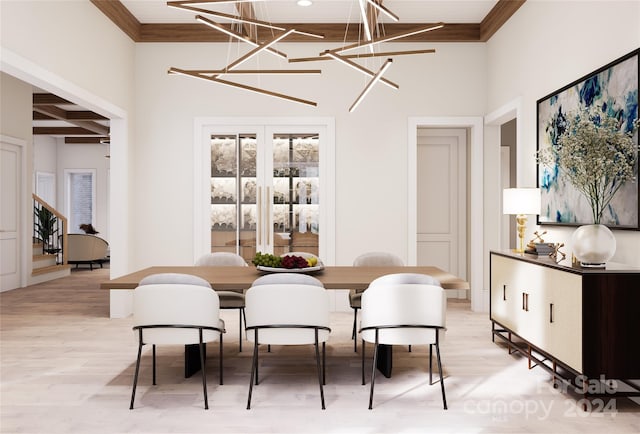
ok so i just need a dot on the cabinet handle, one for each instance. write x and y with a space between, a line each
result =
525 302
258 228
527 306
504 292
269 228
550 312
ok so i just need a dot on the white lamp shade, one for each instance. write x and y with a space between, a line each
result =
521 201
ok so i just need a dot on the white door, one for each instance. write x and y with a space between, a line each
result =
10 216
442 200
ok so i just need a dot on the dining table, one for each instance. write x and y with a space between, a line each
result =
332 277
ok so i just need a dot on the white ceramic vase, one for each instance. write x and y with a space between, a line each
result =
593 245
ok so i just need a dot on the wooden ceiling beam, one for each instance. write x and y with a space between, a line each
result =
62 115
93 140
501 12
62 131
120 16
48 99
333 32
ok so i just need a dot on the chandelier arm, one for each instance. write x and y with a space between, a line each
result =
242 86
241 19
388 38
370 85
361 68
236 35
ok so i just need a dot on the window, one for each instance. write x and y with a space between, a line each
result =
80 198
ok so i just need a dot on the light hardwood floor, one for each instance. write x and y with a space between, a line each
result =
68 368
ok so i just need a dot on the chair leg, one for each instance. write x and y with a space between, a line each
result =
363 346
203 369
254 368
320 375
240 329
354 335
324 363
135 376
444 399
430 364
373 371
153 351
220 361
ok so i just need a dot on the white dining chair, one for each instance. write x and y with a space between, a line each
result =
228 299
370 259
403 314
287 278
173 313
288 314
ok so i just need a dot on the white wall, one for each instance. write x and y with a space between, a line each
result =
371 159
543 47
71 49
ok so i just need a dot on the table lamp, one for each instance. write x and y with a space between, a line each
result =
520 202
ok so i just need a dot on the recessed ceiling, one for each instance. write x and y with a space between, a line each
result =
325 11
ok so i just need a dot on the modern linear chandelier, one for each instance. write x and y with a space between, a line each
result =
243 27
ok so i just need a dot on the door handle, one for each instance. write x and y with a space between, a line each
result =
504 292
550 312
259 226
270 202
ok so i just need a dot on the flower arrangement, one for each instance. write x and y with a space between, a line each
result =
594 154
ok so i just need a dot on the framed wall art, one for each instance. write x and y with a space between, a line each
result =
608 94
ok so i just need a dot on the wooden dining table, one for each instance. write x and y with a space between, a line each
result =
241 278
332 277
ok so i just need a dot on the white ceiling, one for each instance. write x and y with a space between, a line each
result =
323 11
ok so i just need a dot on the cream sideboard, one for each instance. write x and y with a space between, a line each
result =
585 322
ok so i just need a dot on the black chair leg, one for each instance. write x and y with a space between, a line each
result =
320 379
363 346
354 335
154 363
430 364
324 363
240 311
135 376
444 398
254 369
373 371
203 369
220 361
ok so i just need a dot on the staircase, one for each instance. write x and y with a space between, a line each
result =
48 262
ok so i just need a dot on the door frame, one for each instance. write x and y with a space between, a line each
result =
475 211
204 126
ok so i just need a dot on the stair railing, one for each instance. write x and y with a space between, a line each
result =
50 228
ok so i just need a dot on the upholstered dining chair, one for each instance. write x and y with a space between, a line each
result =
176 313
403 314
287 314
370 259
287 278
228 299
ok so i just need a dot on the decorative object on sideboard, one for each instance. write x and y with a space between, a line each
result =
537 239
588 148
520 202
593 245
556 252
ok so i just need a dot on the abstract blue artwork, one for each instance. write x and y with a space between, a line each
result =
614 88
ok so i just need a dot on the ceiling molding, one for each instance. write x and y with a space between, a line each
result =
333 32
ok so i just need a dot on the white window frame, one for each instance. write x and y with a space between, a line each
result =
67 194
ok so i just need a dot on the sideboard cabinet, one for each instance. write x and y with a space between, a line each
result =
587 321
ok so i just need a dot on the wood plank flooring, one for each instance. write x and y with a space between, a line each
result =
66 367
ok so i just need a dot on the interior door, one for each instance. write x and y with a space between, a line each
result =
10 215
442 200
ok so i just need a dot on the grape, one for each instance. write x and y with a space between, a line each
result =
266 260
